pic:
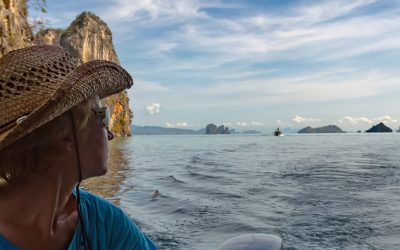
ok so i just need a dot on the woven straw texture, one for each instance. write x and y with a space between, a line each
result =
43 82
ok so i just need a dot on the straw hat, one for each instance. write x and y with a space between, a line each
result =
40 83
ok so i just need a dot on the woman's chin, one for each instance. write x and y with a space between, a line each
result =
101 171
97 172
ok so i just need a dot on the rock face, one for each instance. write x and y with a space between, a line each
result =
48 36
379 128
15 32
213 129
89 38
223 130
326 129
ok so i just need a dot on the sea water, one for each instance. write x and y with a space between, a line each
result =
316 191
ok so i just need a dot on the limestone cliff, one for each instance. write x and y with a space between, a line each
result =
213 129
14 29
48 36
89 38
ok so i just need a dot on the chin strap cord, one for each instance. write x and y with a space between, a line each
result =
86 241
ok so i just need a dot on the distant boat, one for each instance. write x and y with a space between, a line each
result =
277 132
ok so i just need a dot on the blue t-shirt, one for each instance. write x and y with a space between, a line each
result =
107 227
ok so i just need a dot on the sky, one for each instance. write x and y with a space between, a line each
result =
254 64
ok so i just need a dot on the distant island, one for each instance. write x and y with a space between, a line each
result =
326 129
212 129
379 128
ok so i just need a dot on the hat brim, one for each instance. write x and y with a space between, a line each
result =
102 78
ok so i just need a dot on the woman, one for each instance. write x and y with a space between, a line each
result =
53 135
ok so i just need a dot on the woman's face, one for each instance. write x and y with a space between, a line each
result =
93 144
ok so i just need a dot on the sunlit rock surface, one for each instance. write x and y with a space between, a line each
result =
15 32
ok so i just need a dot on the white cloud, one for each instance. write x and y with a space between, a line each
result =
177 125
256 36
152 10
238 38
257 123
242 124
353 121
230 38
161 48
282 123
279 122
367 122
331 9
302 35
169 125
298 119
182 125
153 108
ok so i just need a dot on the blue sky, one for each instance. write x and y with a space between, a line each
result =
254 64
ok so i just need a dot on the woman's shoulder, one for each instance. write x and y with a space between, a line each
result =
89 197
112 223
95 207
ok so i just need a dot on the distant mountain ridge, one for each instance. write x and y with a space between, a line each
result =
326 129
